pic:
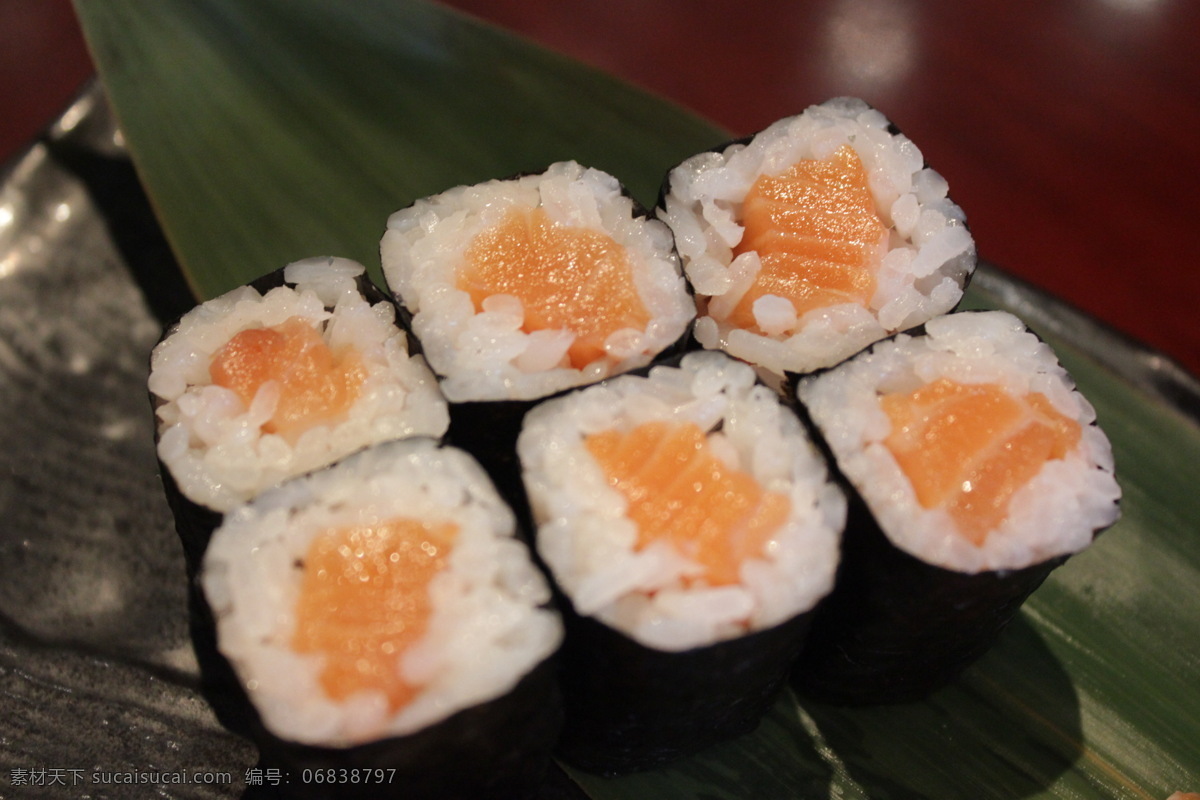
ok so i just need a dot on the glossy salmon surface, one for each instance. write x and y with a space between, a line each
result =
969 447
365 599
567 278
317 386
817 235
681 493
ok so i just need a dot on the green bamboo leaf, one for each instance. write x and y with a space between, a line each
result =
274 130
271 130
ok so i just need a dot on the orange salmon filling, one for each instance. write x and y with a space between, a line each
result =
680 492
317 386
969 448
816 231
566 278
365 599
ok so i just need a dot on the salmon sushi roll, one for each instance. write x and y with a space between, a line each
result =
520 288
384 622
976 469
691 526
278 378
517 289
814 238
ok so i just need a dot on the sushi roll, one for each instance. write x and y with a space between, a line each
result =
976 468
520 288
517 289
691 527
384 622
814 238
278 378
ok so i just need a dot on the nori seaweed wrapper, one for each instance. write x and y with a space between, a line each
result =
195 522
219 683
631 707
497 749
488 430
896 628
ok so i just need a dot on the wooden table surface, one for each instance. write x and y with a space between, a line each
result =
1069 130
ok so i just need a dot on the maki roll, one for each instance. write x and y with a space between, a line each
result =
976 469
691 527
278 378
383 619
520 288
814 238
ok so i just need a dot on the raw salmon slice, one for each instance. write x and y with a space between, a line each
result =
680 492
817 234
968 448
317 386
364 599
567 278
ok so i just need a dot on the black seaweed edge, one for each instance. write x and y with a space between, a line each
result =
500 748
835 666
630 707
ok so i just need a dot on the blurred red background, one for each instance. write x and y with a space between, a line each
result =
1066 128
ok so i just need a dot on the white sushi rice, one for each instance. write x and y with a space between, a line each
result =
484 354
214 445
488 627
923 264
588 542
1055 513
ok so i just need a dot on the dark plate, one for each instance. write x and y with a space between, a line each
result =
1091 694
